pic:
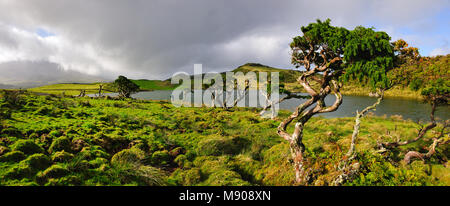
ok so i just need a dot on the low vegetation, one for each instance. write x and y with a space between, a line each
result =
51 140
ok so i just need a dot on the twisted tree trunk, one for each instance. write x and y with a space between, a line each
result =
431 149
296 139
421 133
351 152
347 170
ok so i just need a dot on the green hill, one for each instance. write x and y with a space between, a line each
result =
145 84
287 76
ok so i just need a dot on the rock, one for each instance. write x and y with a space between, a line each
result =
27 147
14 156
62 156
37 161
60 143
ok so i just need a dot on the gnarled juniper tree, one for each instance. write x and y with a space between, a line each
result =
403 54
125 87
430 74
331 56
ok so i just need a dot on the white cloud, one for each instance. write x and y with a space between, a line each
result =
155 38
440 51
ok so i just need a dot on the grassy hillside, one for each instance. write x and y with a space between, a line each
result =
288 77
68 89
74 89
150 85
47 140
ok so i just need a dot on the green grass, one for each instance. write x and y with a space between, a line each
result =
154 84
288 77
68 89
85 141
74 89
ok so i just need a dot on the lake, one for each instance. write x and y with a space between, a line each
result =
408 109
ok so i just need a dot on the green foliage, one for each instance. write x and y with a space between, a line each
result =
153 143
429 75
378 172
125 87
367 55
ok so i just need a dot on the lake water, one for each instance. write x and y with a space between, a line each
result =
408 109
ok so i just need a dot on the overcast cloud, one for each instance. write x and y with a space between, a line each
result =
155 38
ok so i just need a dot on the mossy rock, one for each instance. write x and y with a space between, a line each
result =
128 156
54 171
188 177
181 160
14 156
62 156
218 145
37 161
226 178
19 171
59 144
161 157
11 131
92 152
27 147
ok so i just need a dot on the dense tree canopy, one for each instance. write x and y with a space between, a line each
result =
332 56
430 75
125 87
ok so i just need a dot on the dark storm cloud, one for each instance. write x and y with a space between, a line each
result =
154 39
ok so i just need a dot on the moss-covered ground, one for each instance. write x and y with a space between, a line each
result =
49 140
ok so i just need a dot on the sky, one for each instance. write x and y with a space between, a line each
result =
153 39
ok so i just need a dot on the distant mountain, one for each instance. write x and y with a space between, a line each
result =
26 74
